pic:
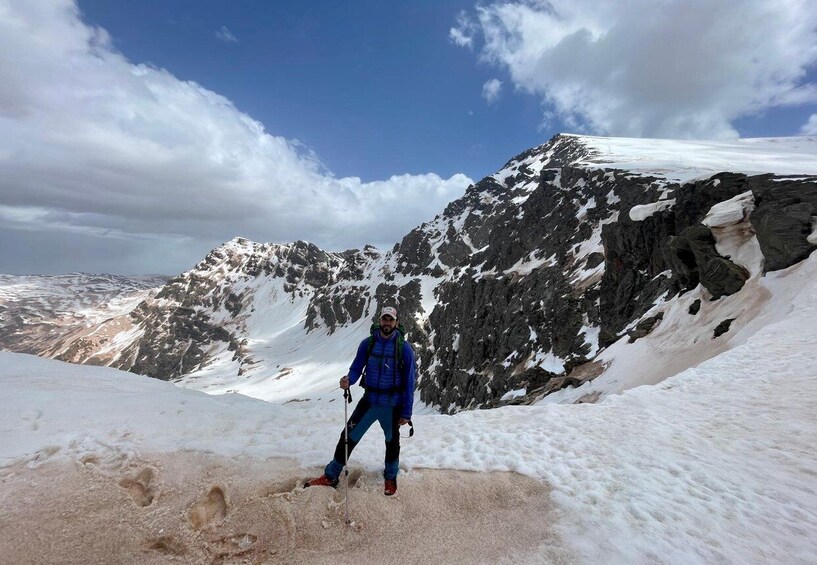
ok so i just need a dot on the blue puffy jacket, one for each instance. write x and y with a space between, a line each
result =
385 386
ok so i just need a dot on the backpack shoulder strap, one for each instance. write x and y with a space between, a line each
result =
369 349
398 348
372 331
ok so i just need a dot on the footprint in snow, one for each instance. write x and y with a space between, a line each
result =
139 487
211 509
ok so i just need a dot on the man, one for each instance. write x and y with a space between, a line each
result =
386 362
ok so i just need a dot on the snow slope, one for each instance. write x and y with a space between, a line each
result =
684 160
715 464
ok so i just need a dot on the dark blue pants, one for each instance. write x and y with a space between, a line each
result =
363 416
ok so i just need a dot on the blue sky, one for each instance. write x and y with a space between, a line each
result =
137 136
375 88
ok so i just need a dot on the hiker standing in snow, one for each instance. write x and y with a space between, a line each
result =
385 365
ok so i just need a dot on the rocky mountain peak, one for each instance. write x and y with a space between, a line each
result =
562 150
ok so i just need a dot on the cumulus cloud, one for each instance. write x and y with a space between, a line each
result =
674 68
126 161
226 35
491 90
810 127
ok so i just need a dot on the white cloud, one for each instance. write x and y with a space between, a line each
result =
463 34
97 150
226 35
675 68
810 127
491 90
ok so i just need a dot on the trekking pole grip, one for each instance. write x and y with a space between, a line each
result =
347 395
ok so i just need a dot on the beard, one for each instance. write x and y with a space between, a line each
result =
386 330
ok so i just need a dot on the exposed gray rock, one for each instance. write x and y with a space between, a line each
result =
486 330
693 200
634 267
594 260
722 328
782 220
183 326
533 380
415 253
692 256
332 309
644 327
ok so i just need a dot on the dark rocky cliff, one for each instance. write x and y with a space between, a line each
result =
546 267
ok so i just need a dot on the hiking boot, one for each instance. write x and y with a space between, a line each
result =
322 481
390 487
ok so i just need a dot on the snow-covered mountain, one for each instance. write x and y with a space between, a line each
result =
69 316
547 275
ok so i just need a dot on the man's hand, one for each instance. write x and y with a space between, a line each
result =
404 421
344 382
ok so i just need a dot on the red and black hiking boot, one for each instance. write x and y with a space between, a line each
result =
390 487
322 481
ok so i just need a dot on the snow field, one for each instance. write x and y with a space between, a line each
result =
685 160
716 464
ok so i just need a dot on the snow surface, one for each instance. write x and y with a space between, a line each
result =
812 238
643 211
730 225
730 211
684 160
715 464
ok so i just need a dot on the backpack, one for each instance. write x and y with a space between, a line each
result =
398 357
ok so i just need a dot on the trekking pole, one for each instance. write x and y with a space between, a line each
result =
347 399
